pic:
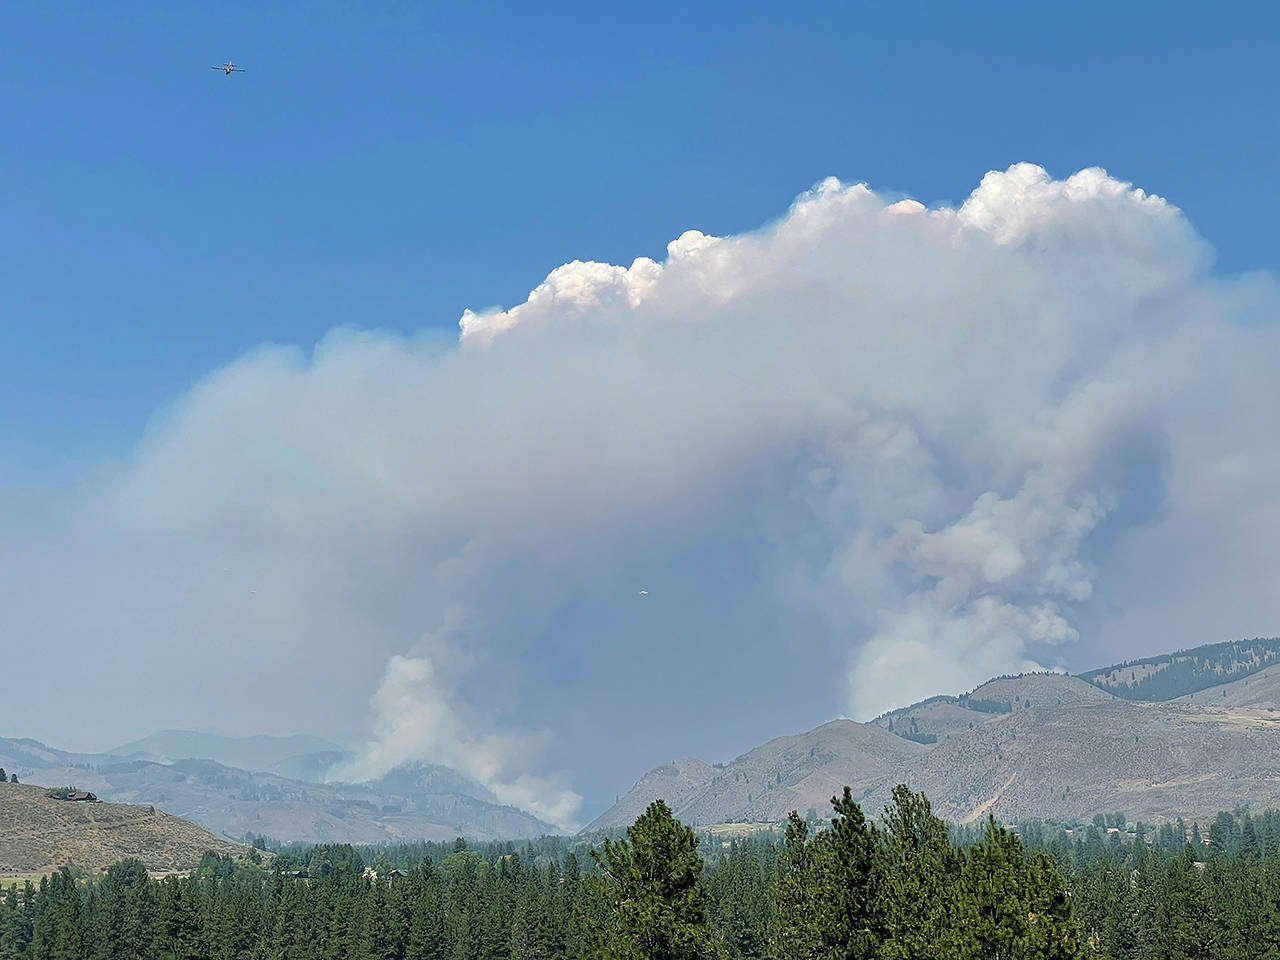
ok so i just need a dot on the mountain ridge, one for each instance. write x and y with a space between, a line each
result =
411 802
261 753
1038 744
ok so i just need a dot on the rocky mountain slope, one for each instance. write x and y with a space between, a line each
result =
39 834
414 802
1036 745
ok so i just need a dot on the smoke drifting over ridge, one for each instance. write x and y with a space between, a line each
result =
958 440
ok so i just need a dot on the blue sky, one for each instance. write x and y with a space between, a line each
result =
455 529
390 164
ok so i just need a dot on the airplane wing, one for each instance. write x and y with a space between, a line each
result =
237 69
215 68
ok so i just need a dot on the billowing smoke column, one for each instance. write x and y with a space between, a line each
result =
960 440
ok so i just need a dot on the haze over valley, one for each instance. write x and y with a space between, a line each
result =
1180 735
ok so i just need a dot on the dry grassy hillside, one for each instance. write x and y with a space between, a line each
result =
789 773
676 783
1150 761
946 717
1038 745
38 833
1041 690
1261 690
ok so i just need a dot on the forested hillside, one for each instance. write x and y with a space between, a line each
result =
1172 675
889 888
896 887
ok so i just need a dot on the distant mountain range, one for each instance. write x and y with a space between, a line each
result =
1185 734
300 757
270 786
1182 734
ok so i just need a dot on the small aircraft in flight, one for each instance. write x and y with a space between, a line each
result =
228 68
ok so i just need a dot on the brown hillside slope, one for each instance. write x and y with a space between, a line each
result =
945 717
1076 751
1041 690
1261 690
1147 760
676 783
38 833
788 773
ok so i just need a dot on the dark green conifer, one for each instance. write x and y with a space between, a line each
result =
657 899
918 873
794 932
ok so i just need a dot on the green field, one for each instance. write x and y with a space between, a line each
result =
8 880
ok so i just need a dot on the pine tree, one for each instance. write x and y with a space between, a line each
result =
794 933
179 935
917 875
657 898
57 929
1012 908
1249 839
739 902
590 918
844 867
426 917
532 936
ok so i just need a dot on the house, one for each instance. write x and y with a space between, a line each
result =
78 796
372 875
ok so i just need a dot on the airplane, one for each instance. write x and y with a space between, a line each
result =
228 68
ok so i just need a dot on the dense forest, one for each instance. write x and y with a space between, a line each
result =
902 886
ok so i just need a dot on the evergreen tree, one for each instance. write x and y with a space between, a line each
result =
57 927
657 898
179 934
590 918
1011 908
426 918
739 902
844 861
918 872
794 932
1249 838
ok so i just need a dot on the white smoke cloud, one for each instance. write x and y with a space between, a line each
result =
969 440
415 718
